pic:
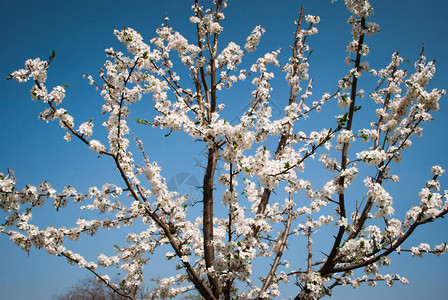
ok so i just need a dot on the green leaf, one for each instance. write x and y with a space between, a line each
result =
343 120
143 122
53 54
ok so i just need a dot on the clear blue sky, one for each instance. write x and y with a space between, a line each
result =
79 31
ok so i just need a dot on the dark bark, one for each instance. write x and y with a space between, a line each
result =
209 250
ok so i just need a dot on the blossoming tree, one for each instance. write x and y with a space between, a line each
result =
263 202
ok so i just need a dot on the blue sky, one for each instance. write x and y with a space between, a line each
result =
79 31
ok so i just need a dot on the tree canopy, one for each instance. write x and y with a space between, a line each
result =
298 189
